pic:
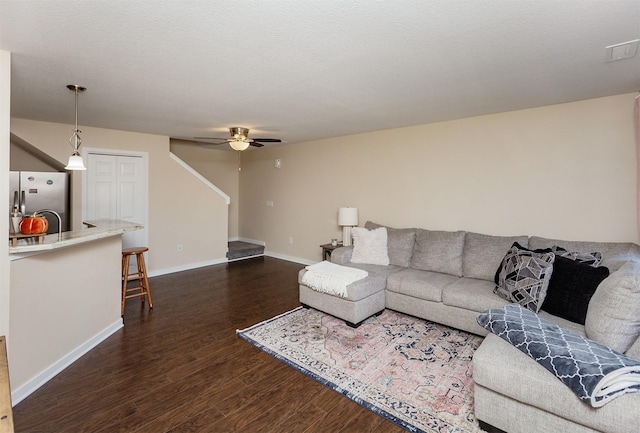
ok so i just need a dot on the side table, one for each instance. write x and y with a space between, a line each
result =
327 249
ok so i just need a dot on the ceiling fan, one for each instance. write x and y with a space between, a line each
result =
239 139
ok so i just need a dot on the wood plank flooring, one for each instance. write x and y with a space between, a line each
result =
181 367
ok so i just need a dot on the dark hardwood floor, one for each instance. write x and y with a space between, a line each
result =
181 367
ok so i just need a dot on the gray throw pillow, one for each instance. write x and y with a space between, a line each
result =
399 243
438 251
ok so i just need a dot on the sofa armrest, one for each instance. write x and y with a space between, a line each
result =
342 255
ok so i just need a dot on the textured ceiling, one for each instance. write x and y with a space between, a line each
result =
308 69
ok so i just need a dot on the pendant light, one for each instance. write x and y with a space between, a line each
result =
75 160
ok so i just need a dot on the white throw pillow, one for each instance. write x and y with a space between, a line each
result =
370 246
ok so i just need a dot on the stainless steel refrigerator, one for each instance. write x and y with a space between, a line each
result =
31 191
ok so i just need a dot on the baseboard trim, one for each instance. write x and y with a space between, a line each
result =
289 258
189 266
50 372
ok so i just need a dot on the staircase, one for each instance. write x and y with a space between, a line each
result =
243 250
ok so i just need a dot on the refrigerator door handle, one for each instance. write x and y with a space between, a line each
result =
23 204
16 203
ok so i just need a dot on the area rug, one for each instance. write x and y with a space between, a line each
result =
415 373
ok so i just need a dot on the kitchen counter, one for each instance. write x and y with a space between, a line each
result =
95 230
65 299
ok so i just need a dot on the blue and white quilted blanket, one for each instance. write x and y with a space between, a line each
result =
596 373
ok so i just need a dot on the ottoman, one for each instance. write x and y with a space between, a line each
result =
365 298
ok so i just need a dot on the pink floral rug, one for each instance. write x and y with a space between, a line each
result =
412 372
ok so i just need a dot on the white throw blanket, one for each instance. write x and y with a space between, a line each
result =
330 278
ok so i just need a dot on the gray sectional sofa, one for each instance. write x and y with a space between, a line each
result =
449 278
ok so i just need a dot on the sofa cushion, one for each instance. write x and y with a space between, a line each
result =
524 277
419 284
613 317
369 246
483 254
399 243
472 294
634 350
571 287
500 367
438 251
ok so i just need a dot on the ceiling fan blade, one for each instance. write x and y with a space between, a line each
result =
211 138
256 144
268 140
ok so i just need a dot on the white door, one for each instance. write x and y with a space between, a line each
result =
116 188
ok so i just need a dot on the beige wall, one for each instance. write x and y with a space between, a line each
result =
21 160
174 216
61 301
566 171
220 167
5 116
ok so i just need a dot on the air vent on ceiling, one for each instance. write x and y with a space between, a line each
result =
621 51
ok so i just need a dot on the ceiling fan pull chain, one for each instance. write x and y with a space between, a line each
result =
239 160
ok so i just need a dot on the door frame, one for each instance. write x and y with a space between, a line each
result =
113 152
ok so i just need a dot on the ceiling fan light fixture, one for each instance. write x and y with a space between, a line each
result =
239 145
239 133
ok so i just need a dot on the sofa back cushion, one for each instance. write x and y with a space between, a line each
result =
438 251
399 243
613 317
483 254
634 350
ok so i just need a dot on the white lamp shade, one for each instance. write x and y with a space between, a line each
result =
75 163
348 216
239 145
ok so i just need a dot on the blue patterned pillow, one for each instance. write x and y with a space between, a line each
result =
524 277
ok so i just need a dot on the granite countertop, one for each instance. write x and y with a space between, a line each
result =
96 229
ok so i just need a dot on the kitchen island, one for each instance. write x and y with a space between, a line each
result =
64 300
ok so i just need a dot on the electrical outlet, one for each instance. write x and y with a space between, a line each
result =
278 163
269 203
179 247
290 241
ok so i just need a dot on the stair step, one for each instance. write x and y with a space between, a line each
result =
241 250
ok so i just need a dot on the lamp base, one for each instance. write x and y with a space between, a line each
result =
346 236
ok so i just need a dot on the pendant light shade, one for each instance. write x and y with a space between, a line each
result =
75 160
75 163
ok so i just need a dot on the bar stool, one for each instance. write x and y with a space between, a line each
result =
142 289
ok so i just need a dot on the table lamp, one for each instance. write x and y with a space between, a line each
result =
347 218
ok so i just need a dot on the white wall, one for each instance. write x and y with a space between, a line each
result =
564 171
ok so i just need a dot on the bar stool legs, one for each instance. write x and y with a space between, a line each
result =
142 289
